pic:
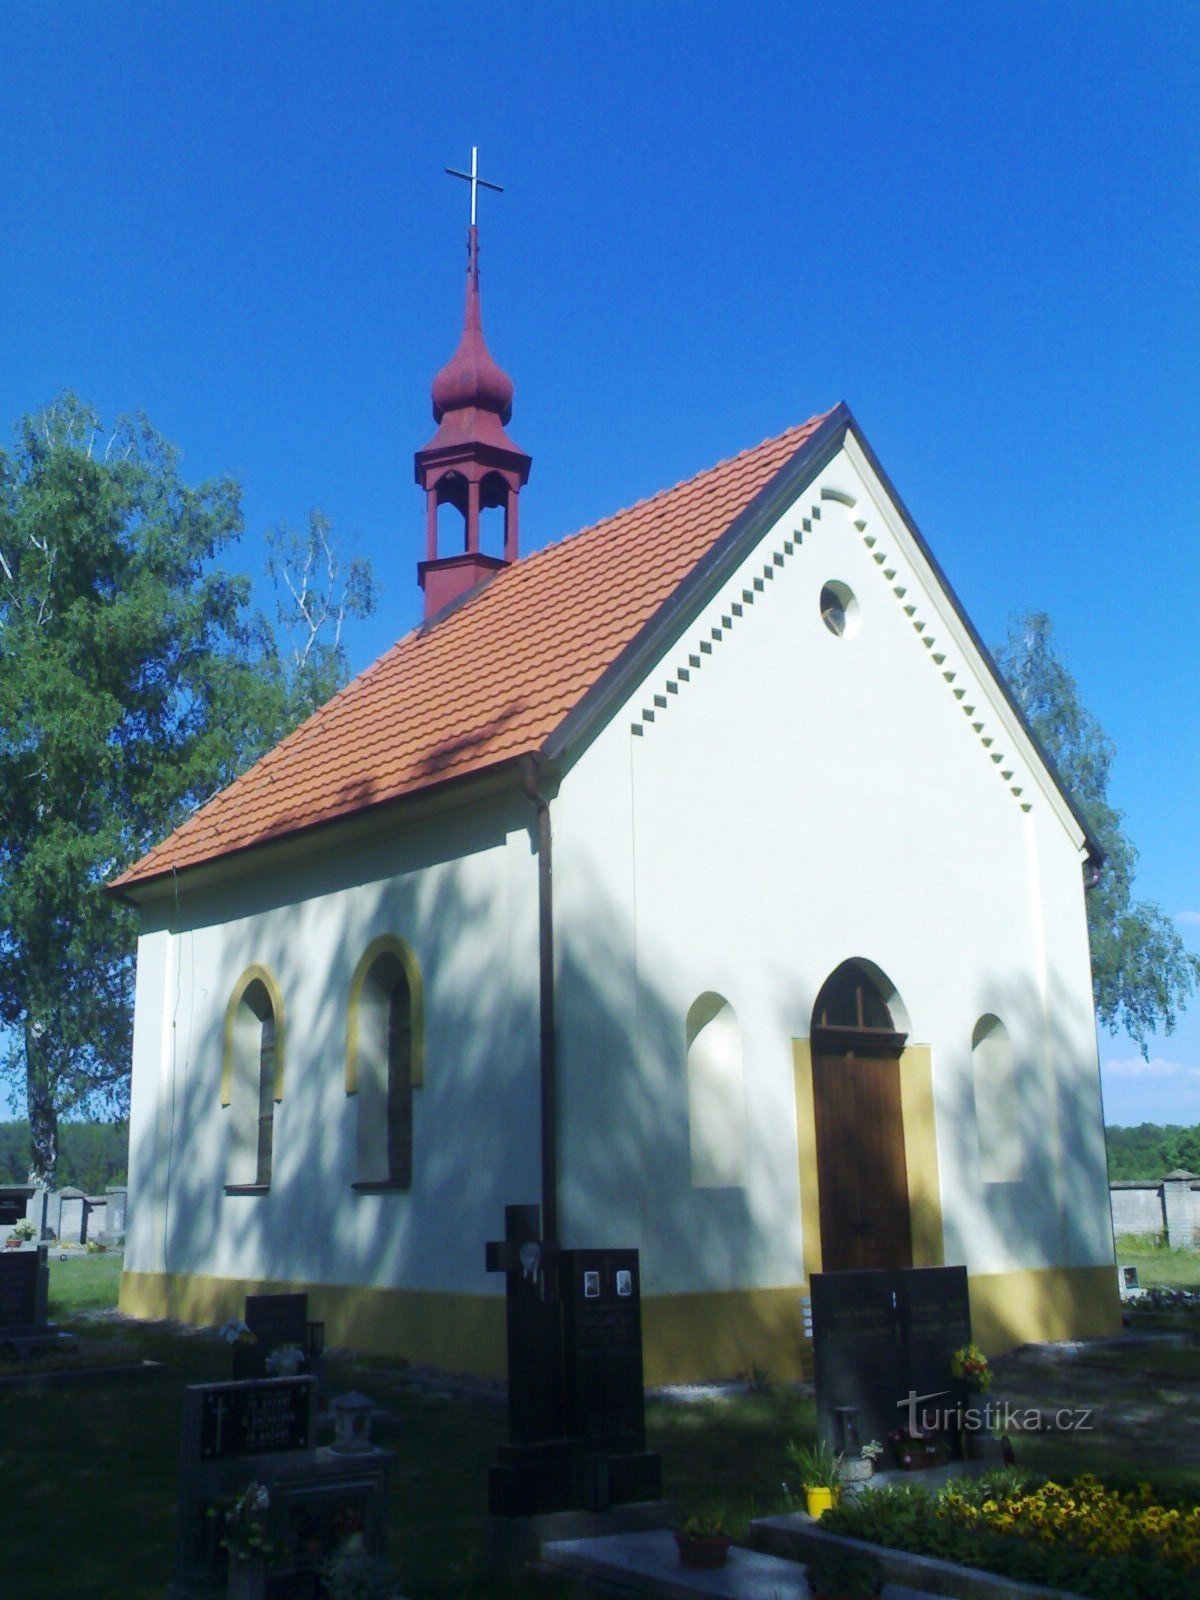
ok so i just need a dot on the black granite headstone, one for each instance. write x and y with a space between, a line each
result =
856 1352
935 1318
881 1337
20 1302
602 1344
274 1320
533 1321
576 1420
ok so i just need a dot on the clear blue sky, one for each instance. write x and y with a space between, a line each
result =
975 223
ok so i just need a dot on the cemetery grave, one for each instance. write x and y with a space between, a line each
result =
94 1515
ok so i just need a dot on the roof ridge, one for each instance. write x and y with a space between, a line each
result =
683 483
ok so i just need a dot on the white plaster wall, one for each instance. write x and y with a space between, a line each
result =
802 799
464 896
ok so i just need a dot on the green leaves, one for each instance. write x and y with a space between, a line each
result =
134 682
1142 974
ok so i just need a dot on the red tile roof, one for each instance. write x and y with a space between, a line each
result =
491 680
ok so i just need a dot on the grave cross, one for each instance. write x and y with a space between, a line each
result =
533 1318
219 1413
475 181
521 1252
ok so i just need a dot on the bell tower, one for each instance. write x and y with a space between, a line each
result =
470 463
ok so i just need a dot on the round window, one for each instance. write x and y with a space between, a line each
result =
839 609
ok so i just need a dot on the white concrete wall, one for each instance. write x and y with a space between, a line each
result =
801 799
464 897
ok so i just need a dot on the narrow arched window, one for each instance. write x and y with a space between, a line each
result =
252 1078
383 1063
997 1103
716 1094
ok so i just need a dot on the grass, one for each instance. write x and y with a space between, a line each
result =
1158 1265
83 1282
89 1476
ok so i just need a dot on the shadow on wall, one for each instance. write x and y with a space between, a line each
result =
476 1116
626 1166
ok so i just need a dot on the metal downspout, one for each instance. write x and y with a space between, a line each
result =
531 768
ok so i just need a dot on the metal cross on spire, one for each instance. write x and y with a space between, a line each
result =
475 181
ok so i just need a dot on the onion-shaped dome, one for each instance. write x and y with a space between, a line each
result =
471 378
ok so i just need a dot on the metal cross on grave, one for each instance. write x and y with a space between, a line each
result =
475 181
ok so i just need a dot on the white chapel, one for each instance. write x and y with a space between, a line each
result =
694 877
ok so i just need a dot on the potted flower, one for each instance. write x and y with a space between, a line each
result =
702 1540
23 1231
820 1470
836 1573
245 1535
855 1469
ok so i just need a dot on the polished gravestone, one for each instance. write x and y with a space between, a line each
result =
879 1340
264 1431
24 1287
575 1396
275 1320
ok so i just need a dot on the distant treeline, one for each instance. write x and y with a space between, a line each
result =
91 1155
1149 1152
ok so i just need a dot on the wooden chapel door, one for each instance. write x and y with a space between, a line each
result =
862 1176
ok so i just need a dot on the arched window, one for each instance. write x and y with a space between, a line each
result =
384 1062
997 1110
252 1077
716 1094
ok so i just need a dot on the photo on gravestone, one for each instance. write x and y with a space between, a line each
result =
275 1320
857 1355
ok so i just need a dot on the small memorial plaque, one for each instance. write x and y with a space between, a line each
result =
255 1418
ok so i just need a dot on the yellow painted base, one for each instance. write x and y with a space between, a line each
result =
458 1332
687 1338
1012 1308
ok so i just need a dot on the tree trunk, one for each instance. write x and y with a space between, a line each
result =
43 1114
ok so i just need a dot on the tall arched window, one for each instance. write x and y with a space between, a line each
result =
997 1107
252 1077
716 1094
384 1062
